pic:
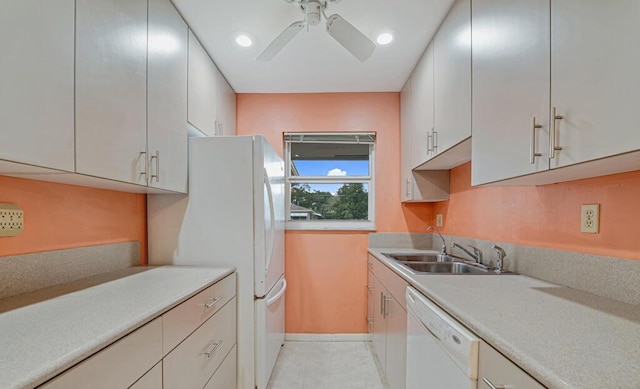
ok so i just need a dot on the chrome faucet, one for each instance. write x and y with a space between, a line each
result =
501 255
476 255
444 244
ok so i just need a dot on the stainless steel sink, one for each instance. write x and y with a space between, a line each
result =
414 257
445 268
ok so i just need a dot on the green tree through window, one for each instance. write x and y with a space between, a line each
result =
352 202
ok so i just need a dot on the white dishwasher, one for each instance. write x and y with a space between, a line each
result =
441 353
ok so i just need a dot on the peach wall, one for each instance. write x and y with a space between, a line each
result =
547 216
326 271
61 216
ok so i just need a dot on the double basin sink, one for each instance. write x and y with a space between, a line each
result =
439 264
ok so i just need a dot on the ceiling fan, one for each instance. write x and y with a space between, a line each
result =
342 31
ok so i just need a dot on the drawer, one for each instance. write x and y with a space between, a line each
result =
151 380
225 376
193 362
117 366
395 284
182 320
495 369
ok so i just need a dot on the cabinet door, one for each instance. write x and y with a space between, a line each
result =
36 92
151 380
379 338
501 372
202 88
406 122
510 88
371 297
111 89
226 109
396 352
422 128
595 84
117 366
167 97
452 80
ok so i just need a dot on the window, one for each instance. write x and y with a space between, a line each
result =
330 181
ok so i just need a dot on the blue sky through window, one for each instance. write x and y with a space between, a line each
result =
331 168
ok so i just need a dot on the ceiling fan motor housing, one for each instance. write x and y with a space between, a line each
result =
313 12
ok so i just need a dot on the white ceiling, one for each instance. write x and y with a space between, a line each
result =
313 61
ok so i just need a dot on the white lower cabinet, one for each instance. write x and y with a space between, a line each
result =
389 322
151 380
496 371
194 361
117 366
193 345
225 376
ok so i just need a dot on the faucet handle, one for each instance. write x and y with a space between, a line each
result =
477 252
501 255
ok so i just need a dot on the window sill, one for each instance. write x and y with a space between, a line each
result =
330 225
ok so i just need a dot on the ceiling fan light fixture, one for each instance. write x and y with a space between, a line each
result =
384 38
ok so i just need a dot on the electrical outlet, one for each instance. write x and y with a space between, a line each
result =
11 219
590 218
439 220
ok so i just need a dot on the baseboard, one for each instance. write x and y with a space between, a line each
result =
327 337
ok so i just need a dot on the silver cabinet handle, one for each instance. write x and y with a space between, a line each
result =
552 137
211 352
143 154
382 304
435 141
429 142
533 154
408 192
157 158
386 313
212 303
491 385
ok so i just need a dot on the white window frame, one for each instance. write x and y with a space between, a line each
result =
331 225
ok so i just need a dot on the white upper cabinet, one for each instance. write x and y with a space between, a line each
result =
570 65
167 97
36 82
111 89
421 130
212 101
452 80
226 106
510 89
595 82
406 99
416 120
203 89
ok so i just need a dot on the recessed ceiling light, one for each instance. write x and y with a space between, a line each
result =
244 40
385 38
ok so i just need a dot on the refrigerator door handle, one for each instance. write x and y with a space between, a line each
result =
272 226
280 293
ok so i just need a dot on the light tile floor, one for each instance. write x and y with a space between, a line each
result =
325 365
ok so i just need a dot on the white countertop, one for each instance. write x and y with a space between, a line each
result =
563 337
41 340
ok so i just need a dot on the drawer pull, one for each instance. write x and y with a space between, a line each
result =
212 303
211 352
491 385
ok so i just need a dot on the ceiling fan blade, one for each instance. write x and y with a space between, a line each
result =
281 41
350 37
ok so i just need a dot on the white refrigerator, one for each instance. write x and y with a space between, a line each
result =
234 215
